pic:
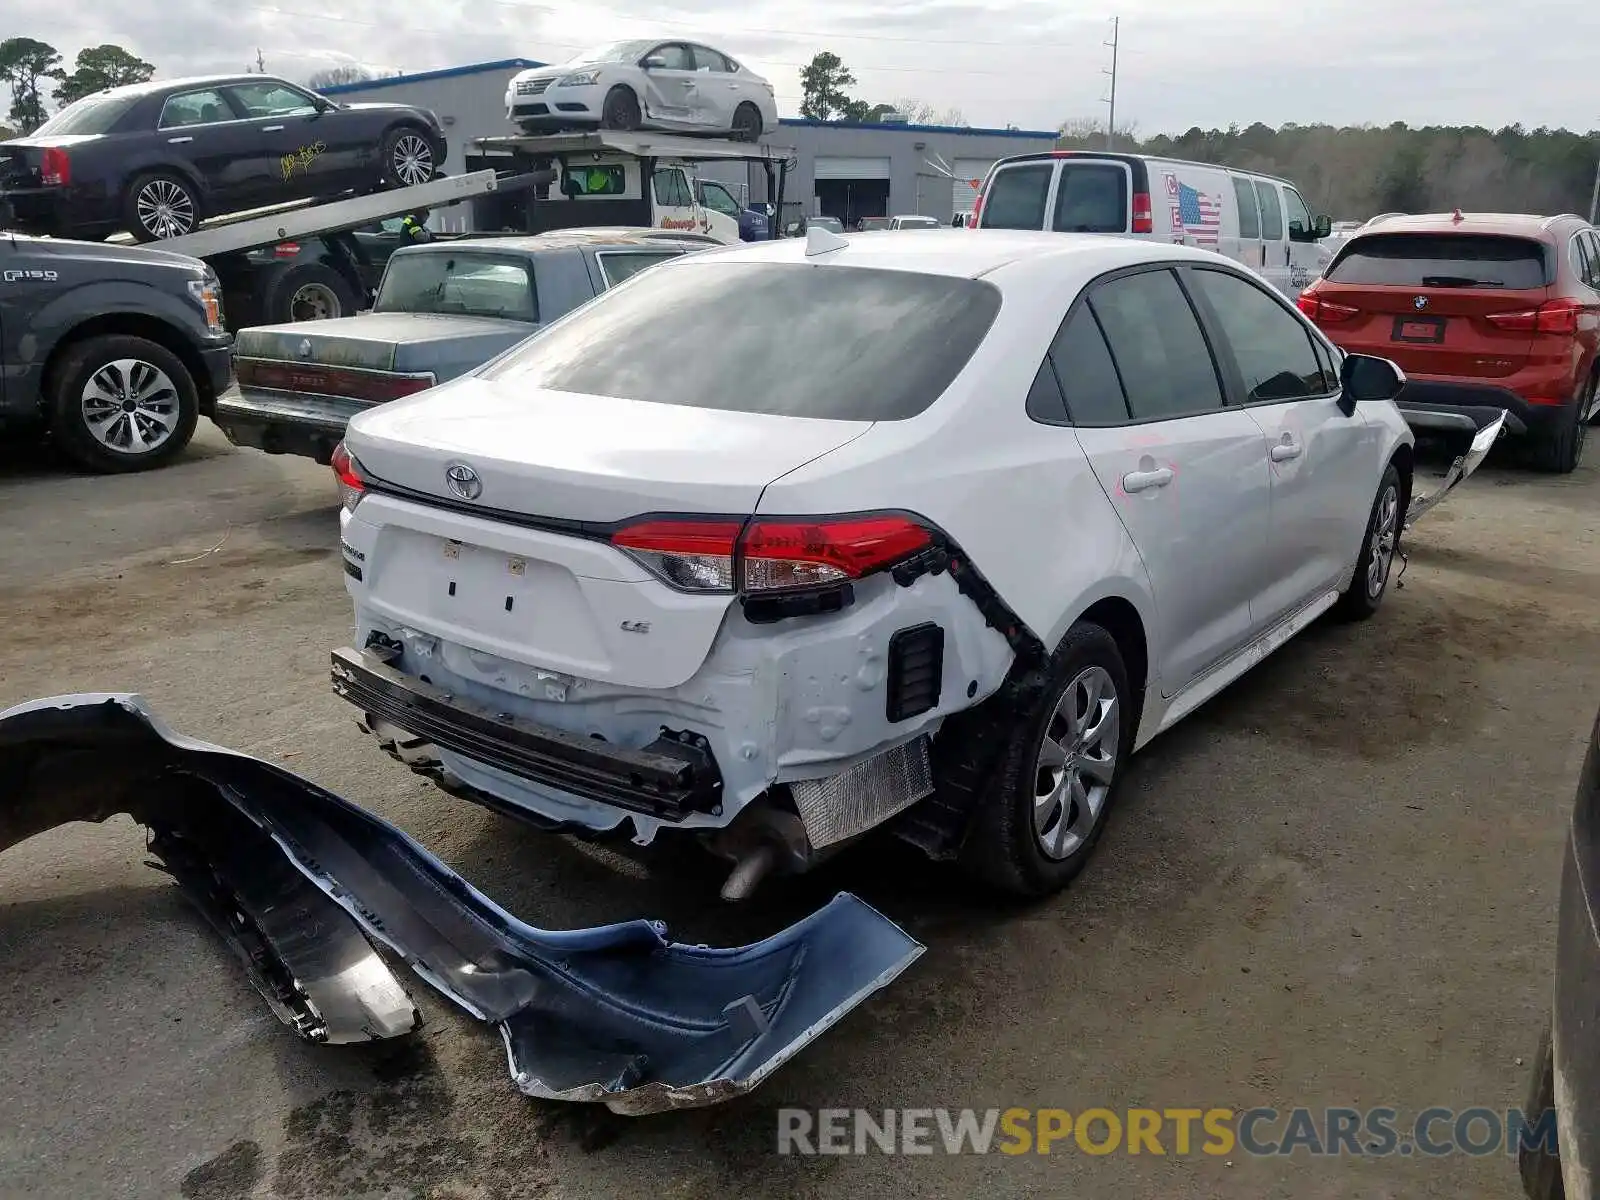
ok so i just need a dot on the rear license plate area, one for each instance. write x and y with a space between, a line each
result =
472 583
1418 331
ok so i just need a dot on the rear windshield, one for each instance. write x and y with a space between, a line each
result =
1092 198
787 339
476 285
1442 260
1015 197
92 114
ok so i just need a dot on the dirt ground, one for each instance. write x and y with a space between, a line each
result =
1333 886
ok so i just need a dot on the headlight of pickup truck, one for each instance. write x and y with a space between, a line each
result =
209 296
581 79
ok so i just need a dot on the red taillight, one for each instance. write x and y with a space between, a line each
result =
374 387
286 249
1323 312
55 167
1553 316
348 472
977 210
1143 221
725 555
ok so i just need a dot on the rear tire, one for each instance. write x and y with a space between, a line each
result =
110 394
1561 452
1541 1171
160 205
1043 813
620 110
1380 546
310 291
747 123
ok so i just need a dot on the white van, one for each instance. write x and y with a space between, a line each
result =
1256 220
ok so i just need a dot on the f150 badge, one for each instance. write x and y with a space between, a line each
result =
31 276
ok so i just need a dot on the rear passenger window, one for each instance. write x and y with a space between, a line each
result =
1015 198
1160 354
1044 397
1249 219
617 267
1088 376
1273 349
1091 199
1271 211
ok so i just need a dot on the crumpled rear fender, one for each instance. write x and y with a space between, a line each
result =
301 883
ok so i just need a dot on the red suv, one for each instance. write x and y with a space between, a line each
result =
1483 312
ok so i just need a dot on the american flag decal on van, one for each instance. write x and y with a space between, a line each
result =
1196 217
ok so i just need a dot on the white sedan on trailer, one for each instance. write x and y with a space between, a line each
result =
677 87
780 543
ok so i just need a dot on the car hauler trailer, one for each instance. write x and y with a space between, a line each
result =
599 179
267 263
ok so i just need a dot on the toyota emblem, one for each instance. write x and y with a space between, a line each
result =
463 481
1420 303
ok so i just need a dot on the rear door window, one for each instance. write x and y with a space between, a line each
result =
1016 197
1089 380
1442 260
1091 198
195 108
1161 356
1249 216
626 264
1271 211
790 339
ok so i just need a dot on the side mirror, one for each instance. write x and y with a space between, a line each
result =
1364 379
653 62
1323 226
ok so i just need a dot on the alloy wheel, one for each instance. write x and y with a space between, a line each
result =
1381 550
412 159
165 209
1076 764
130 406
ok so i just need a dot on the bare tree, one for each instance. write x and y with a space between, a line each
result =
920 112
1089 133
341 74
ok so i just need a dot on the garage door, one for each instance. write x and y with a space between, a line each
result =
851 168
968 172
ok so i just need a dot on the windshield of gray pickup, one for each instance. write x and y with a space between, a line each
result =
460 283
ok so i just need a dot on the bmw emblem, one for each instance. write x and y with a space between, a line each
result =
463 481
1420 303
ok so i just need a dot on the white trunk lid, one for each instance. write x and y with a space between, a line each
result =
522 581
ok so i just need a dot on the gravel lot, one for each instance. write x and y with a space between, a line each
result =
1333 886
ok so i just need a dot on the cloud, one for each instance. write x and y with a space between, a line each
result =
1020 62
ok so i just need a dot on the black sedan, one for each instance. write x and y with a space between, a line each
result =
157 158
1566 1077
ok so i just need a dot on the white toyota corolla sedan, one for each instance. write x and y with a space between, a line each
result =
779 543
680 87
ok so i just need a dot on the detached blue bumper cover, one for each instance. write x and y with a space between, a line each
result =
301 884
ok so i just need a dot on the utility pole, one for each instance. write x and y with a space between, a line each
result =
1594 194
1111 119
261 65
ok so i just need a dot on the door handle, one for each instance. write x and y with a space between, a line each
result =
1285 450
178 140
1143 481
272 129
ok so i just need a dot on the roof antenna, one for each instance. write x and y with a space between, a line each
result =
823 241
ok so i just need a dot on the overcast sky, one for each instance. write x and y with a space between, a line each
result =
1030 63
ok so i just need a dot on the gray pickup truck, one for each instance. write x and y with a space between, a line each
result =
115 351
442 309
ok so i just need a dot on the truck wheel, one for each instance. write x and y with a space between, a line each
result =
747 123
159 205
620 110
1043 813
407 157
310 291
121 403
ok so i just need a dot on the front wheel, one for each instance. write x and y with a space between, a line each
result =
1379 545
160 206
121 403
407 157
1044 812
620 110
